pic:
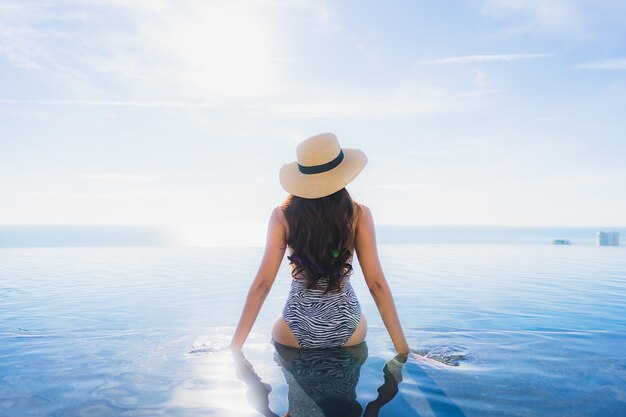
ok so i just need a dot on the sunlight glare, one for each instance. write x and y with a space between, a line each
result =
219 48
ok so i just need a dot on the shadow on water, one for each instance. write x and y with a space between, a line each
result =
322 383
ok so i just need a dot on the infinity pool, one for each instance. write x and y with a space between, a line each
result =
525 330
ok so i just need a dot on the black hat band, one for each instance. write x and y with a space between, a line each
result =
317 169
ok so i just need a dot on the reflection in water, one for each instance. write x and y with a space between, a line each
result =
257 391
392 373
322 382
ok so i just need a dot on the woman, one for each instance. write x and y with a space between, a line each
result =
323 227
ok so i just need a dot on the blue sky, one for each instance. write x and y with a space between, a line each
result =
496 112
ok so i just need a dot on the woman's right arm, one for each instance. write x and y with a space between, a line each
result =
367 253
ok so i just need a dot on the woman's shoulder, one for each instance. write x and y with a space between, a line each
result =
361 211
279 212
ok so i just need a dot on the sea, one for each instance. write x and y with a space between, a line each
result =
120 321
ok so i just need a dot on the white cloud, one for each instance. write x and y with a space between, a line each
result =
479 59
159 50
321 16
121 177
480 79
115 103
436 152
536 15
48 196
591 179
406 100
357 107
603 64
407 187
191 49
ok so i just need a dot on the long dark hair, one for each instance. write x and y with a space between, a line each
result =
321 233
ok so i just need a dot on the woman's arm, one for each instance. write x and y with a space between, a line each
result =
275 247
367 253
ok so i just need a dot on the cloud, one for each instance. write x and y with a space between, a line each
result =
479 59
128 195
192 49
358 107
172 50
536 15
407 187
594 179
320 15
438 152
121 177
603 64
115 103
405 100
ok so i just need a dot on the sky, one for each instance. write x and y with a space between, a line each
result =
494 112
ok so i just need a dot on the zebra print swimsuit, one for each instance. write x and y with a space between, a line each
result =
319 320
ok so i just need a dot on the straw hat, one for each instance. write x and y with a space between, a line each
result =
322 167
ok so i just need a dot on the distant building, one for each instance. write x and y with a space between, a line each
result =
608 239
561 242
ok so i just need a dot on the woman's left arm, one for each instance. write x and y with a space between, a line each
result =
275 247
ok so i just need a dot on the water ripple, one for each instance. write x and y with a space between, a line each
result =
452 355
208 347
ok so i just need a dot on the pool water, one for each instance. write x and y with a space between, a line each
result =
523 330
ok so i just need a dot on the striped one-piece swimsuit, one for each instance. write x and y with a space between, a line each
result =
318 319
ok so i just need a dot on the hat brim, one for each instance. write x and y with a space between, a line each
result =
324 183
